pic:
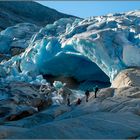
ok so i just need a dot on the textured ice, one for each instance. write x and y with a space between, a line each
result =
84 49
104 40
16 36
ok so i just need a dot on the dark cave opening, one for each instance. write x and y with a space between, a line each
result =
78 72
73 83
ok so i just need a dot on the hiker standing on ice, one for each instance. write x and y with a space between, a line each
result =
96 90
68 100
78 102
87 94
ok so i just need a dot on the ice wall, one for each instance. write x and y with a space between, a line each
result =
84 48
112 42
16 36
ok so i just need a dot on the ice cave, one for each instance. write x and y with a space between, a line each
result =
49 71
94 49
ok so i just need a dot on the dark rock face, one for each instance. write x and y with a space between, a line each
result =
13 12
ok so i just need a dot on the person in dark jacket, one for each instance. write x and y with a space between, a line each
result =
96 90
68 100
87 94
78 101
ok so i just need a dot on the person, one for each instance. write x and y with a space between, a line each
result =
87 95
78 101
68 100
96 90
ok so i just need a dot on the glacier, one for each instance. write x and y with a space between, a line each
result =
110 43
94 49
16 38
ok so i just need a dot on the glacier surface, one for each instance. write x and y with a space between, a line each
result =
86 50
91 49
17 36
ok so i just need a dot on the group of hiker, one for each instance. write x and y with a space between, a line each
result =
87 95
65 93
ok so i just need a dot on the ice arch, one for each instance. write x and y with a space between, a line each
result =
110 43
112 51
83 56
48 57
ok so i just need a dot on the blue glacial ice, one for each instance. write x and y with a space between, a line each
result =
91 49
16 36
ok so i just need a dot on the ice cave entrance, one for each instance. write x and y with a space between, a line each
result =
82 75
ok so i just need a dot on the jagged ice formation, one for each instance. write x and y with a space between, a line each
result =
83 48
